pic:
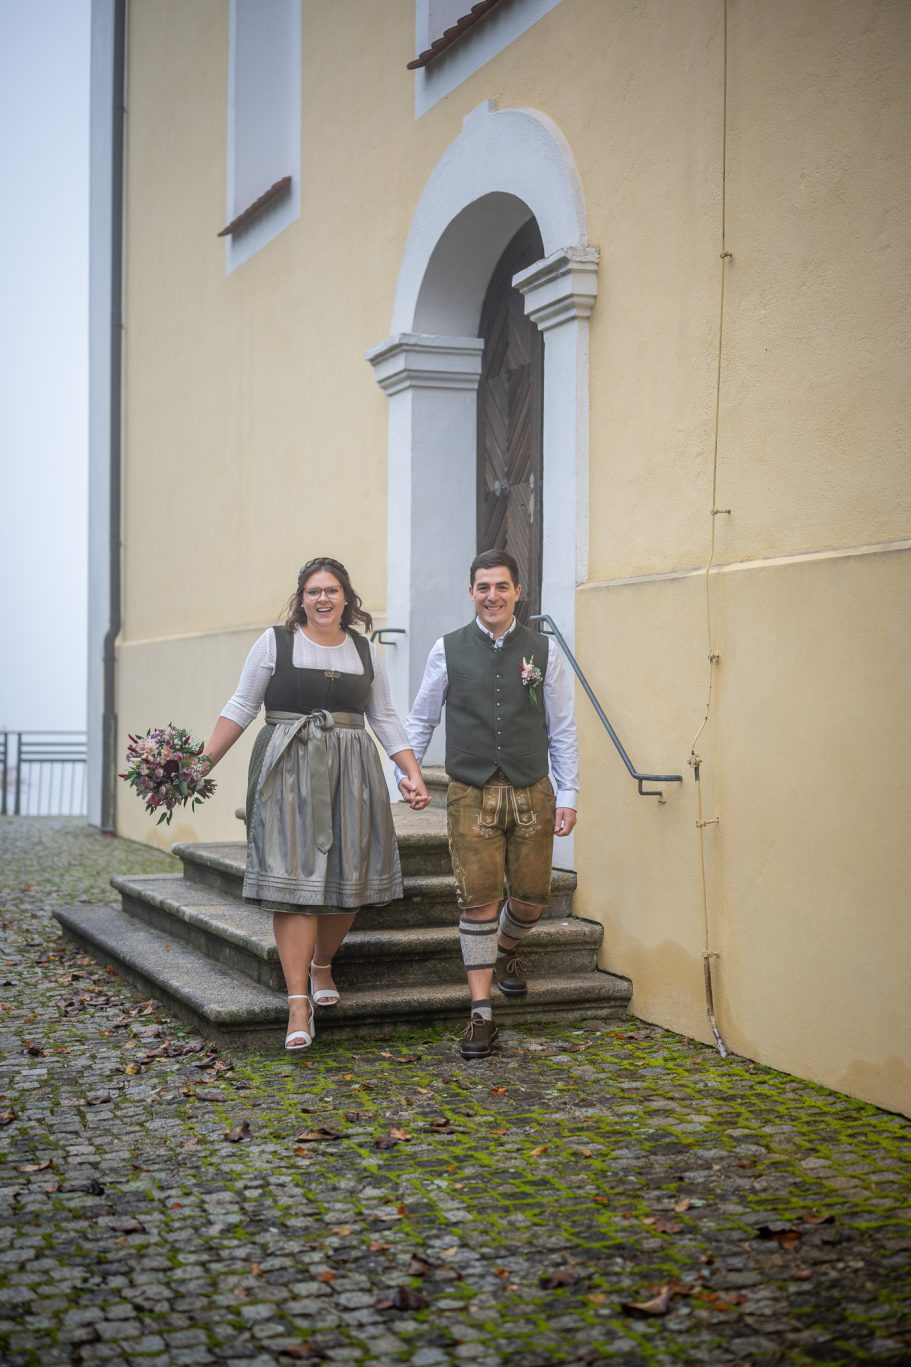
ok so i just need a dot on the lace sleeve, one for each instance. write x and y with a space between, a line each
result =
243 706
382 716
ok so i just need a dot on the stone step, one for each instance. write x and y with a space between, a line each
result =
239 1012
430 898
239 936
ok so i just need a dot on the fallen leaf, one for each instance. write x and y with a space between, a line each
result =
403 1298
316 1136
301 1351
241 1131
585 1153
401 1210
440 1123
499 1091
409 1058
7 1117
662 1226
419 1267
683 1204
191 1143
784 1235
801 1274
132 1068
326 1276
33 1167
809 1217
539 1151
389 1141
256 1269
301 1152
101 1100
562 1276
377 1246
129 1227
35 1050
91 1188
658 1305
502 1272
340 1229
500 1133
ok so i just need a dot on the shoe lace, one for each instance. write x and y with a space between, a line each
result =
515 964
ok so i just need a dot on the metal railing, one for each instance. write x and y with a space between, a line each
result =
43 773
553 630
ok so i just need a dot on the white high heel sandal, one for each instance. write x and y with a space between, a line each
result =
323 996
296 1040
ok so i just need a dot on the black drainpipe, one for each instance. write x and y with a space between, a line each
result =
109 719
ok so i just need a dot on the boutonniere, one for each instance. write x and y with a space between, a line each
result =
531 677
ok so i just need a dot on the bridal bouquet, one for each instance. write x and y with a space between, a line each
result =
167 768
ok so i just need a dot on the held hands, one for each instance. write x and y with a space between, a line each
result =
414 793
564 821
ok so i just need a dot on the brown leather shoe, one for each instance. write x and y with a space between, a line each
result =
510 974
478 1037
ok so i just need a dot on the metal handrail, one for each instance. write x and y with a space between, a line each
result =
640 778
380 632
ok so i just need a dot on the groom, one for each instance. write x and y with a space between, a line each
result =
509 718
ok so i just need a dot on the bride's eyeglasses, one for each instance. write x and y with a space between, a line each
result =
313 595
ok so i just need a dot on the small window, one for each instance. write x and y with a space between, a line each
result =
455 38
264 103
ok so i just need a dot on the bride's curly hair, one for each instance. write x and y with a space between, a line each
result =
354 611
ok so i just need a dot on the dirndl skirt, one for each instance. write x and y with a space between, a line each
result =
319 823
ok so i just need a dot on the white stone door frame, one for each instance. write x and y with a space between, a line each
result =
505 167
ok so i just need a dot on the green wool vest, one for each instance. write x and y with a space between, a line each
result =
491 720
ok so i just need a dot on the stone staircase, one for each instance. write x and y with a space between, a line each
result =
194 944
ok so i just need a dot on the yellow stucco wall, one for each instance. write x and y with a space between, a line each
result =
253 420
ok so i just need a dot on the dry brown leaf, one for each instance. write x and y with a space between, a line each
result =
327 1276
683 1204
562 1276
658 1305
132 1069
33 1167
316 1136
256 1269
538 1152
241 1131
499 1091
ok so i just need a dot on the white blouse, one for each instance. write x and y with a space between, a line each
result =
306 654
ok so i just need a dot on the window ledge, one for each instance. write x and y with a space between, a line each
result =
453 34
274 192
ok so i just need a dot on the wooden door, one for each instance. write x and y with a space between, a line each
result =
510 412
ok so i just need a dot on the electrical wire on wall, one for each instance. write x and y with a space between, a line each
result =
695 761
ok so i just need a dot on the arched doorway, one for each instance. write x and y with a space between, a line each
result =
510 420
506 168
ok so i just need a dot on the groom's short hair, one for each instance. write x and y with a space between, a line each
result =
488 560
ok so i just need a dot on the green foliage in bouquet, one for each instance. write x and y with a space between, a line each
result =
167 768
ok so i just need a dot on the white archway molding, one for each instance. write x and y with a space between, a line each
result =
510 152
504 168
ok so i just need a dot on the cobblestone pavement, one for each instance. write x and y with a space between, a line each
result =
597 1194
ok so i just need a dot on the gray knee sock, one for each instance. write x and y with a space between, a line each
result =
513 928
479 943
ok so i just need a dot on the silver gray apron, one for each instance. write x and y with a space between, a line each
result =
320 832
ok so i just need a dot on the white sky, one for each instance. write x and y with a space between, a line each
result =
44 163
